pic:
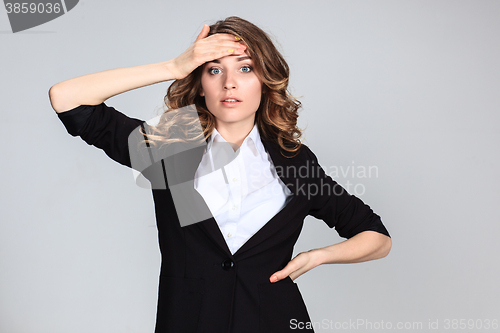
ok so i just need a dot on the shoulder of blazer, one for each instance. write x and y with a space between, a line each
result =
283 157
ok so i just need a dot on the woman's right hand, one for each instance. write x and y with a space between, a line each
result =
205 49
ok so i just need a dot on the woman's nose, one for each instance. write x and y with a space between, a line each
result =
229 82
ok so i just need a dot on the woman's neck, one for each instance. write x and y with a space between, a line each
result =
235 133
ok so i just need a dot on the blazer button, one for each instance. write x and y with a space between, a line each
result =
227 264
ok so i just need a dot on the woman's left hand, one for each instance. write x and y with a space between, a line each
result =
302 263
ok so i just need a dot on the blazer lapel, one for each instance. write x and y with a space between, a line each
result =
183 164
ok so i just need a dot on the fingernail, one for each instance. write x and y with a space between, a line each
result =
237 38
274 278
231 50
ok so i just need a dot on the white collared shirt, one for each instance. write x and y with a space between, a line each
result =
241 188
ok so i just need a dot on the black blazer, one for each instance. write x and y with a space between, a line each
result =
202 286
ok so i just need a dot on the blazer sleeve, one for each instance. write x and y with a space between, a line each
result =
339 209
103 127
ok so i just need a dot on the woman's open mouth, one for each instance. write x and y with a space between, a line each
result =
230 102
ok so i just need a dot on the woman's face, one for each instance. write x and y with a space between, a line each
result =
231 77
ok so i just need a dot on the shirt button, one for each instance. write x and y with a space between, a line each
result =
235 207
229 235
227 264
235 180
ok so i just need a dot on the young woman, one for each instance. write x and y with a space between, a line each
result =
230 268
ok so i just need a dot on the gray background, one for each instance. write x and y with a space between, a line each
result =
410 87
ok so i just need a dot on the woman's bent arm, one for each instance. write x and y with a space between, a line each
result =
367 245
95 88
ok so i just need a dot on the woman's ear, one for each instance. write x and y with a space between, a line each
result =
201 92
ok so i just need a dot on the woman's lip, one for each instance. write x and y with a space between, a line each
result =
231 104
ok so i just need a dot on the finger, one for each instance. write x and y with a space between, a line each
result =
274 277
222 51
223 39
224 36
204 32
280 275
224 43
294 268
233 49
296 274
240 49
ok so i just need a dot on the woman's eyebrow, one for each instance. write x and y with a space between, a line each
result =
244 58
217 61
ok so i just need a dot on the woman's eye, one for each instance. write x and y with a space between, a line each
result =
246 69
214 71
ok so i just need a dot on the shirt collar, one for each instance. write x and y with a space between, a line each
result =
252 140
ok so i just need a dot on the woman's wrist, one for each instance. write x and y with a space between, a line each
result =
318 256
169 70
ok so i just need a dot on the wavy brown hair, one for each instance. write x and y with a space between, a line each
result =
277 114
